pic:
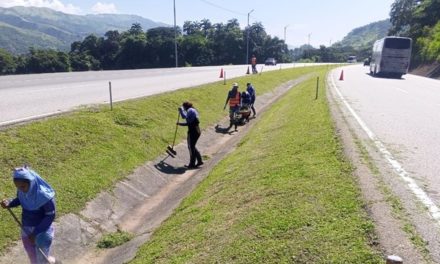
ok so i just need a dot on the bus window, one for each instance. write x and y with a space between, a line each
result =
394 43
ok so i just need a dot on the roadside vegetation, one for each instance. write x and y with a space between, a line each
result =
88 151
285 195
115 239
419 20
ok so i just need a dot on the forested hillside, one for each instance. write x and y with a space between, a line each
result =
358 42
364 37
419 20
44 28
199 43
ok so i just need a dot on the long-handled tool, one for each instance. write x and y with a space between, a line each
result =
170 149
49 259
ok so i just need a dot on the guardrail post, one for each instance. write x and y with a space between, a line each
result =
110 91
317 88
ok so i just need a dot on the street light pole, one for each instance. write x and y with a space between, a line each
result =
175 34
285 27
247 38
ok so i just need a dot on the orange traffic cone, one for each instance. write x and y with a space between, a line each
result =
221 73
341 78
248 71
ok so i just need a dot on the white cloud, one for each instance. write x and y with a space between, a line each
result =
52 4
103 8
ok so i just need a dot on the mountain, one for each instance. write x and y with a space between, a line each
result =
25 27
365 36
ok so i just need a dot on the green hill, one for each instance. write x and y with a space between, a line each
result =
365 36
24 27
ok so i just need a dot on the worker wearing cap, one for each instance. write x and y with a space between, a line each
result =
233 99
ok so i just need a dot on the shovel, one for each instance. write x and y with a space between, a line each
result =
49 259
170 149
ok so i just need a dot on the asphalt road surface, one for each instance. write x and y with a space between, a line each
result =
25 97
401 118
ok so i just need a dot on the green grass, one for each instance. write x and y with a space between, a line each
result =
86 152
394 202
285 195
115 239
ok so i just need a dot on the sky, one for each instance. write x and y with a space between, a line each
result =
315 22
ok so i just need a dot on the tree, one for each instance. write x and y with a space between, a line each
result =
110 49
41 61
191 28
91 46
7 62
132 52
160 46
136 29
227 43
401 15
195 50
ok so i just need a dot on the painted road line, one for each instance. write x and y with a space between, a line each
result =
418 192
405 91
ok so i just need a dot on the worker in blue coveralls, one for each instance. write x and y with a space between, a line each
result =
188 112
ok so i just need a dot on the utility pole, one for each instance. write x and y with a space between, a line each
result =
175 34
285 27
247 38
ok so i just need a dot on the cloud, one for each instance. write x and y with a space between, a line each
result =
103 8
52 4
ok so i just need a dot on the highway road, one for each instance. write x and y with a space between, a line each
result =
401 120
25 97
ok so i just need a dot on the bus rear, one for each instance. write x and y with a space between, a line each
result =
393 55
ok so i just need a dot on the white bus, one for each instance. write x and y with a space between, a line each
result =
351 59
391 57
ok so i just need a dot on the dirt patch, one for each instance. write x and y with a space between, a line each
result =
142 201
427 70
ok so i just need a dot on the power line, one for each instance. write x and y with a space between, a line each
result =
220 7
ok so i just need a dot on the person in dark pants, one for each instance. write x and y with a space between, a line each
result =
37 199
233 98
251 90
254 64
188 112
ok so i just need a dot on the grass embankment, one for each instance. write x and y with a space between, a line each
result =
285 195
85 152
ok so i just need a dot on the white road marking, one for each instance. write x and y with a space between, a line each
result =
418 192
405 91
20 120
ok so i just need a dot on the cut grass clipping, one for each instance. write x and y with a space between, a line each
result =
285 195
115 239
86 152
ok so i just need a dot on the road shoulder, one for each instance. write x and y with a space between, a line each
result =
391 239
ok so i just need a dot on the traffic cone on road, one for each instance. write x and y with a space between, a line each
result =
341 78
221 73
248 72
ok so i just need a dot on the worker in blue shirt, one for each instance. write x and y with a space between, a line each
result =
37 199
188 112
251 90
